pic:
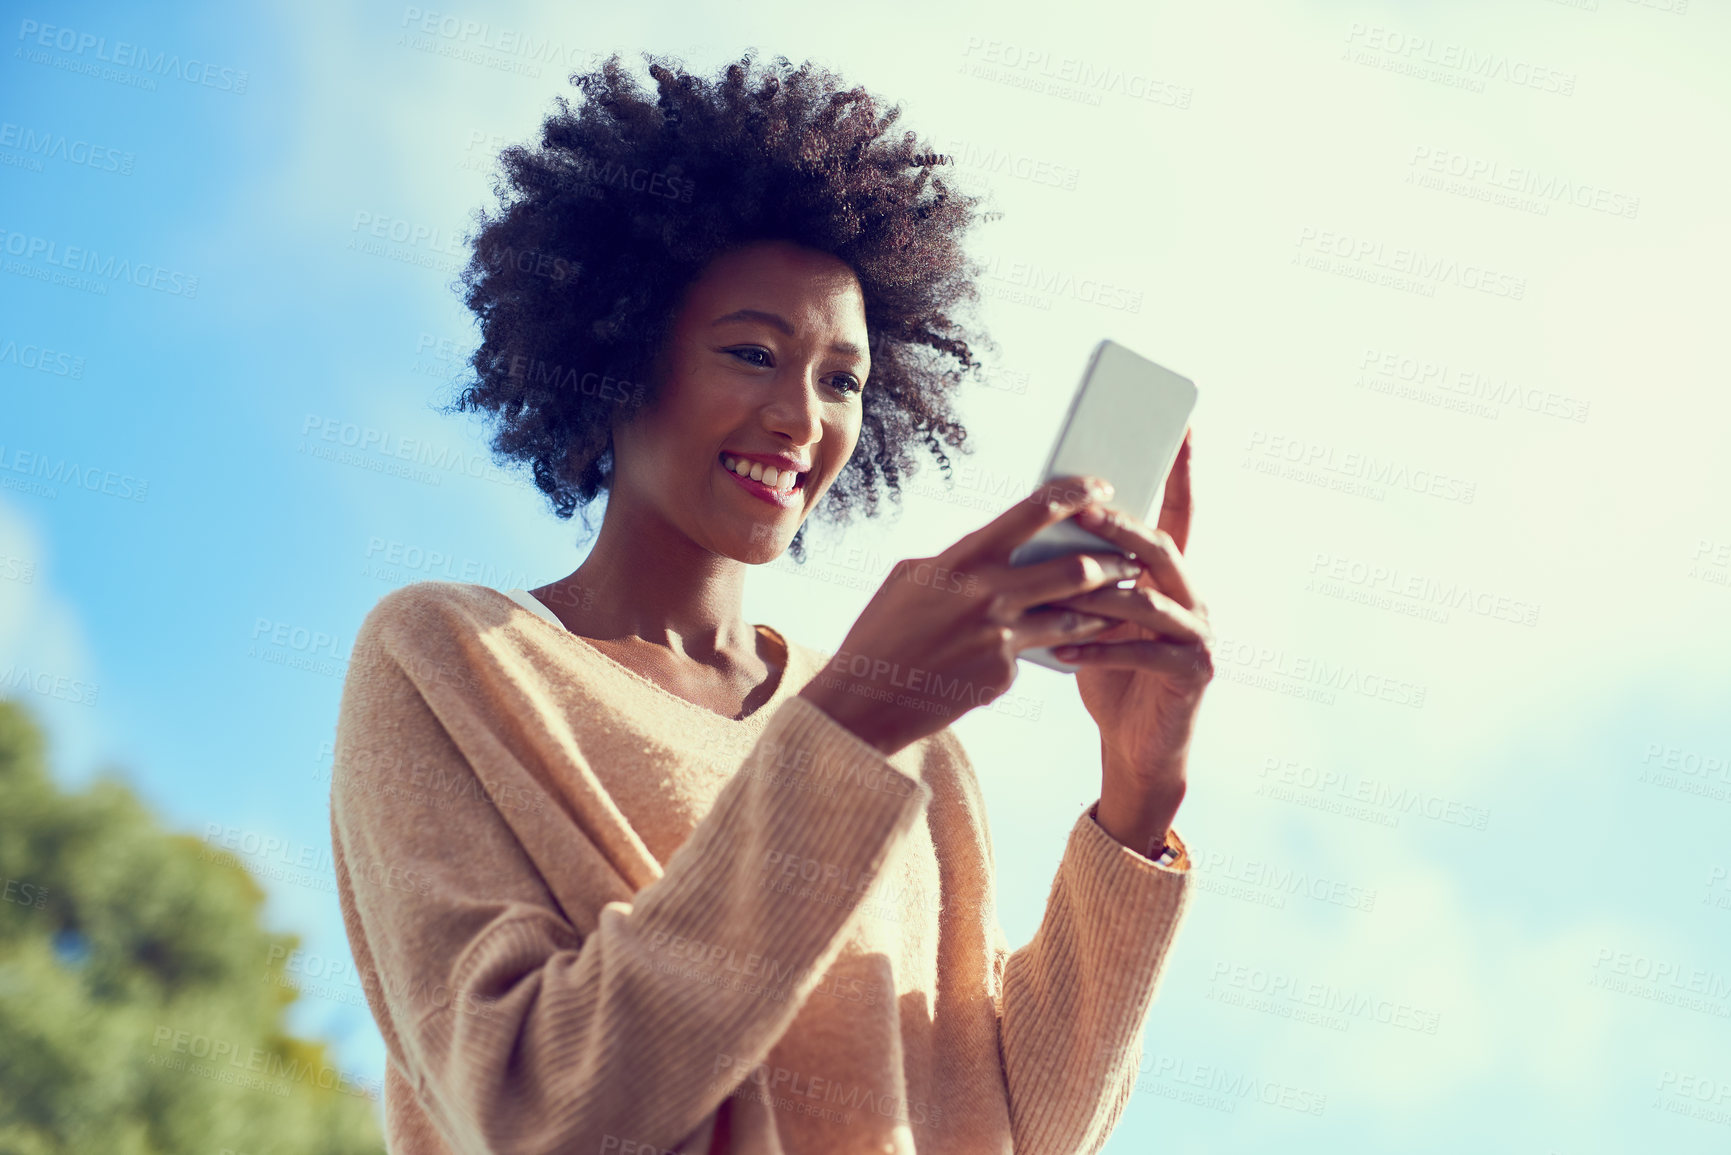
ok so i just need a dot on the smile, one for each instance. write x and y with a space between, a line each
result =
764 482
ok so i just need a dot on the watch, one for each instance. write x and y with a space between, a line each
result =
1160 852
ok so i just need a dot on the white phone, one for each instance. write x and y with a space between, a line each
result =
1125 424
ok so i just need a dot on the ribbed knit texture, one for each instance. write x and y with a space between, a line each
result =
593 917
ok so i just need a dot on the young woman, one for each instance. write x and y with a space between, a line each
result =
626 874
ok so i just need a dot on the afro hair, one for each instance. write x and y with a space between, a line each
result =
576 277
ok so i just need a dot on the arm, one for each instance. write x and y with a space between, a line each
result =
1074 1001
520 1031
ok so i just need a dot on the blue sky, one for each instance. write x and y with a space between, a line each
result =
1447 284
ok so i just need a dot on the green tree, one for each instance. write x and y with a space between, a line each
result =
141 1002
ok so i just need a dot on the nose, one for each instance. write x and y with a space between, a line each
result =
795 407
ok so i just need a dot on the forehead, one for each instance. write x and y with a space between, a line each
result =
782 277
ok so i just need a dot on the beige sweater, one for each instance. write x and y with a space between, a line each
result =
592 916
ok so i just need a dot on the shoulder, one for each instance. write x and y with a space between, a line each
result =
426 603
430 618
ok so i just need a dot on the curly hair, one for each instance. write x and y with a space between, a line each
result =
577 277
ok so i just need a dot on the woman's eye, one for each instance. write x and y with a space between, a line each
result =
846 382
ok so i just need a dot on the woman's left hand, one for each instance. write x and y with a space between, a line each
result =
1142 679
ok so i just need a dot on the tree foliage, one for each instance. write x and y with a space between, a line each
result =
141 1001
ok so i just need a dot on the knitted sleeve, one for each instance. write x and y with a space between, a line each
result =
519 1032
1072 1004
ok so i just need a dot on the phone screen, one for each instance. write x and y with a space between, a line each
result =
1126 422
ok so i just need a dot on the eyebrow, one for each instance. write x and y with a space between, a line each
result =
781 323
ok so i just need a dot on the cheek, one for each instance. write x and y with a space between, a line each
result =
707 414
846 435
670 437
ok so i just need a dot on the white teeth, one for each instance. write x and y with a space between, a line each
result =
776 479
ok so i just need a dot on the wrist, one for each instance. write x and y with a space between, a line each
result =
849 711
1145 832
1167 772
1139 817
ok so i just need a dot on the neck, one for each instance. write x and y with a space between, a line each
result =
646 579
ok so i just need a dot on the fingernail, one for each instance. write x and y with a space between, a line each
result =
1100 487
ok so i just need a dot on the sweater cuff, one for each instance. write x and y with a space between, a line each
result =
1179 865
1127 909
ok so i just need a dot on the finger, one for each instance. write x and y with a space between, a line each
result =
1051 502
1176 506
1067 576
1191 663
1157 551
1145 606
1056 627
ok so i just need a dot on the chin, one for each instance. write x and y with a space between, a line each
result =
763 545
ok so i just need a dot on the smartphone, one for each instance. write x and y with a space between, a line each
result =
1125 423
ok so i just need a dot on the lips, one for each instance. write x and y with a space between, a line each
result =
789 498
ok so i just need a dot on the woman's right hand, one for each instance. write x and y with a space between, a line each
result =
942 634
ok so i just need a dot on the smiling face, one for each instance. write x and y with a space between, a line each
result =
763 369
